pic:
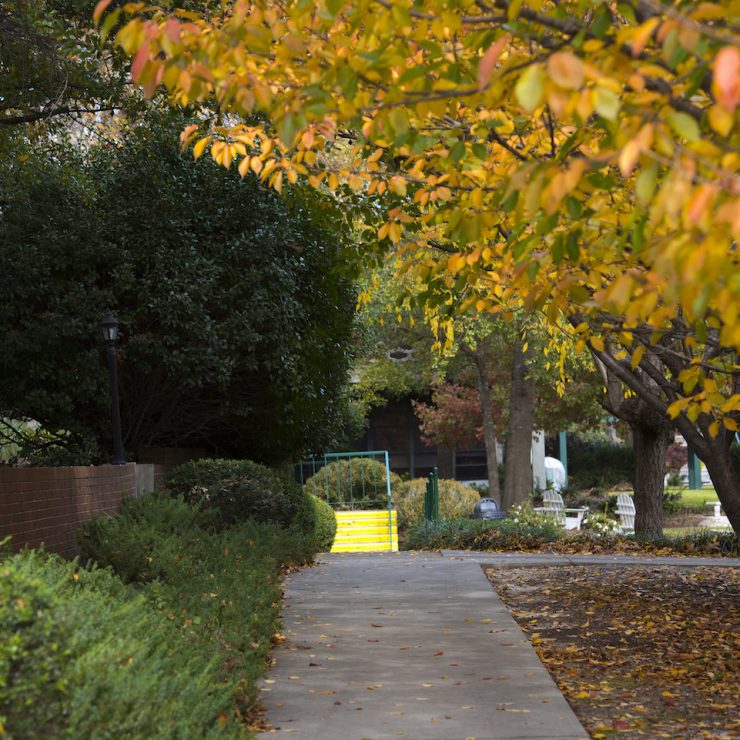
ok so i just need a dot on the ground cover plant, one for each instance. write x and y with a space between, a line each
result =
534 536
84 655
220 585
625 666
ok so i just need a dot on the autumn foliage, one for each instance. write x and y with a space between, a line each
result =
579 158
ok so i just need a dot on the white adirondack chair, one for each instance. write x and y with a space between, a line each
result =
553 505
626 512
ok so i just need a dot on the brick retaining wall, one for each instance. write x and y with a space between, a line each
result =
49 504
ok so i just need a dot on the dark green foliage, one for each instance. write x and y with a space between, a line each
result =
506 535
599 463
326 523
34 647
470 534
240 490
85 656
235 324
221 588
145 525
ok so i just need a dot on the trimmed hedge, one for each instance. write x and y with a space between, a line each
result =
455 500
598 463
237 490
326 523
364 477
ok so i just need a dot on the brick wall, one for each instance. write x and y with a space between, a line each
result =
47 505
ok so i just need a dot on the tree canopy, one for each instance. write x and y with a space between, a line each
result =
579 158
234 321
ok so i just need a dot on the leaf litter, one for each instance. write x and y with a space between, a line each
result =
638 651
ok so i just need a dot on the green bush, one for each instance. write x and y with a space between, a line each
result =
221 588
360 481
598 463
238 490
83 655
326 523
473 534
145 525
455 500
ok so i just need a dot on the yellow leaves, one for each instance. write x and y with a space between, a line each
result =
397 184
530 88
200 146
565 69
641 37
637 356
606 102
721 119
597 343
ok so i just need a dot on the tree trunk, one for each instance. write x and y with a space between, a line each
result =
651 434
518 459
649 443
489 428
719 466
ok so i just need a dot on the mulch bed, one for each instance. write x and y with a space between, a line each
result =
641 651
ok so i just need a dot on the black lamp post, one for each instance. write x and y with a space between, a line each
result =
110 335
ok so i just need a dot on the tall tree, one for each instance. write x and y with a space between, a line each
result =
578 156
235 322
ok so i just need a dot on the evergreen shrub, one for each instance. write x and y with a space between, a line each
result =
237 490
326 523
83 655
220 587
599 463
455 500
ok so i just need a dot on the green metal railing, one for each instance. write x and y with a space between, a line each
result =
351 485
431 497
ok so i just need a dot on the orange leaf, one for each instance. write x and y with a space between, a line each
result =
99 10
642 36
565 69
141 58
488 62
726 81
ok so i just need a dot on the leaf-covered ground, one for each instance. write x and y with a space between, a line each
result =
638 651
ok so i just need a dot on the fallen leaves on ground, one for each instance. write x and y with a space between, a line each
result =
637 651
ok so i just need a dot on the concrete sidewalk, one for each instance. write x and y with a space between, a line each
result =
407 645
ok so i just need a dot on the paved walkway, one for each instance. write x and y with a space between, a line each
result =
407 645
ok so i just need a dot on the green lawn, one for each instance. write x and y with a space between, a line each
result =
696 500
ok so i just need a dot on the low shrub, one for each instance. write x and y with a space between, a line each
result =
358 481
524 515
237 490
83 655
220 588
471 534
456 500
326 523
601 524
